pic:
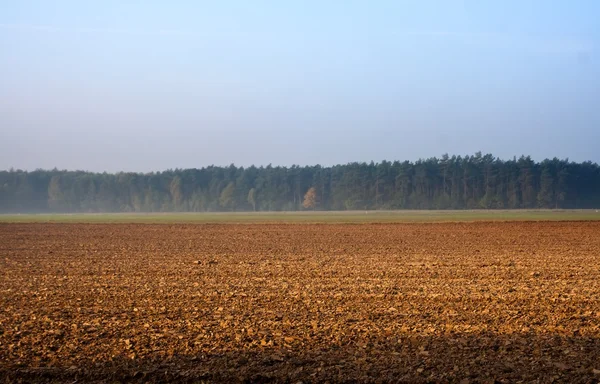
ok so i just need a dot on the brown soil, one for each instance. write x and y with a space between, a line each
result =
455 302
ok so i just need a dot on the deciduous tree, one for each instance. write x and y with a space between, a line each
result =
310 199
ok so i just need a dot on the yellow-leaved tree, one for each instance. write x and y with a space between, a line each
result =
310 199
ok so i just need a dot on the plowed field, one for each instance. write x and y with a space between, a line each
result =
300 302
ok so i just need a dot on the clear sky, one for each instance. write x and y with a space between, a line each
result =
149 85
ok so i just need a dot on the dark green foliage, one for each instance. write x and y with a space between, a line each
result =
470 182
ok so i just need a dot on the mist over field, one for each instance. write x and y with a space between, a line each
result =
470 182
124 107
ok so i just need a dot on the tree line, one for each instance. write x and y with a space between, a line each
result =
456 182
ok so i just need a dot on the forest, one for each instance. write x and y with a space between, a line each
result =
449 182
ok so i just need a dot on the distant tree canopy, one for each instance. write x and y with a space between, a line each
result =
470 182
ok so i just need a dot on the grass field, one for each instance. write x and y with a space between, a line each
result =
310 217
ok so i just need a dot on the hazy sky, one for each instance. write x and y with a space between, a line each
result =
149 85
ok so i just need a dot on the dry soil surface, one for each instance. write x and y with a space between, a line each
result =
452 302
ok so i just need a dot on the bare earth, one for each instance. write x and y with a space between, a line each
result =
455 302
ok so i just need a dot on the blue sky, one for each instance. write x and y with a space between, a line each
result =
151 85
